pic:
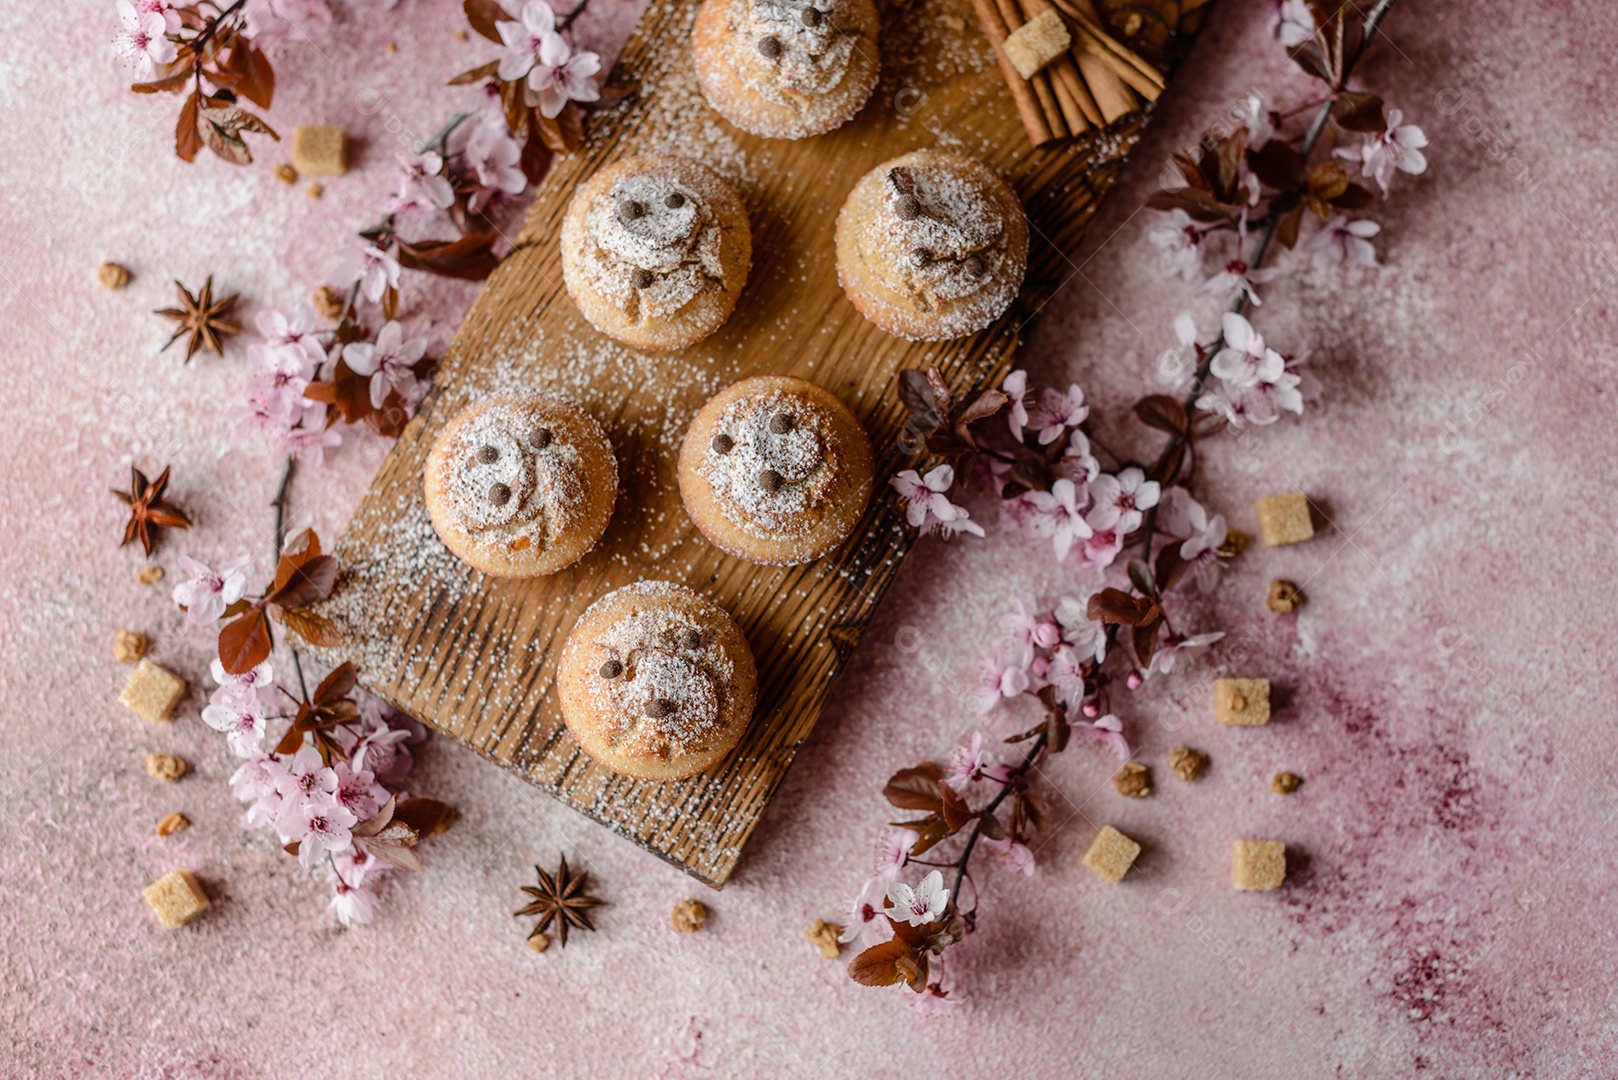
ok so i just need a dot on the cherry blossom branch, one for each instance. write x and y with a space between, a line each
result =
994 804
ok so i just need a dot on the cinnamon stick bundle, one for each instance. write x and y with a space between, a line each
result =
1028 107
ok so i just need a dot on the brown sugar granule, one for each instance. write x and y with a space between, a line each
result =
391 47
1284 596
150 574
689 916
1284 519
823 935
176 898
316 190
1285 783
173 824
540 942
286 174
1133 781
462 35
1111 854
112 276
1187 763
152 691
329 303
166 767
1258 865
129 647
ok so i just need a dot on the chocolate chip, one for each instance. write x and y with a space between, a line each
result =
693 639
539 438
770 480
631 210
674 200
921 256
722 443
611 669
488 455
812 16
769 48
977 265
499 494
908 208
658 708
781 423
641 278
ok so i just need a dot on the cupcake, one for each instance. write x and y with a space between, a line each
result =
656 681
775 470
521 486
931 246
655 251
786 69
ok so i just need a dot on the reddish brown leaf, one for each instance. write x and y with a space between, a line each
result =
536 158
889 963
957 815
244 643
483 15
1145 640
1162 412
1170 567
187 139
468 258
166 85
915 789
1358 112
428 817
1116 607
312 626
477 74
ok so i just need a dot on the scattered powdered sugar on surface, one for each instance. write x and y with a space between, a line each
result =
652 262
503 490
798 457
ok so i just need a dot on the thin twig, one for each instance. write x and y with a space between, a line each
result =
280 505
994 804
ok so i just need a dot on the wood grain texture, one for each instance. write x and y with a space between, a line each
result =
474 657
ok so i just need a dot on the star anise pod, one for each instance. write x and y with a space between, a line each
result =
560 900
202 319
148 511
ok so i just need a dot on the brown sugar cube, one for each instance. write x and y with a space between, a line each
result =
165 767
1258 865
319 150
1242 702
1285 783
1285 597
152 691
176 898
539 942
689 916
129 647
1133 781
1037 42
1187 763
1111 854
1284 519
823 935
173 823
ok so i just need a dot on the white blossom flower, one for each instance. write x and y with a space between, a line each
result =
1237 279
1001 680
205 594
1180 244
495 156
865 914
1397 148
1295 23
388 362
562 75
376 271
926 504
1170 653
895 853
525 39
1256 119
920 905
1342 241
1058 412
243 720
420 183
1059 514
141 42
1120 500
1078 463
1015 387
1245 359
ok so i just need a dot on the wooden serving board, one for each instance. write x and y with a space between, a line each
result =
474 657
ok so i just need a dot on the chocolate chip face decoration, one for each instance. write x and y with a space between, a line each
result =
540 438
767 465
611 669
954 240
802 40
769 48
654 246
511 479
665 690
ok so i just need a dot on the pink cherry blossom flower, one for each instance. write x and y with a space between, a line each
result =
1170 653
1208 534
388 361
1030 632
243 720
1058 412
307 776
1342 241
494 156
268 20
1180 244
1237 280
1087 637
865 914
1395 149
357 790
141 42
1120 500
380 749
926 504
1259 121
295 332
1261 402
1059 514
1078 463
420 184
920 905
971 765
936 997
1294 23
317 826
205 594
257 782
1015 856
1108 730
895 853
352 902
171 17
562 75
375 270
1001 680
1015 387
1101 550
309 440
524 40
1065 671
1245 359
258 682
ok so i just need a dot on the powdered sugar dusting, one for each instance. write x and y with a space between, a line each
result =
509 482
652 244
744 475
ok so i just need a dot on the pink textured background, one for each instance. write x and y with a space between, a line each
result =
1449 911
